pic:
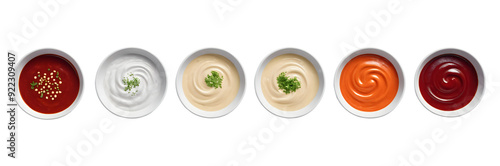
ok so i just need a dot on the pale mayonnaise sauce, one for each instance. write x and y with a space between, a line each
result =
208 98
294 66
147 91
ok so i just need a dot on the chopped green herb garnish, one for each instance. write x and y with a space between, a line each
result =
133 93
33 84
214 80
48 69
287 84
131 82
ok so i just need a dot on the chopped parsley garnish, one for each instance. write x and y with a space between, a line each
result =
33 84
287 84
130 82
214 80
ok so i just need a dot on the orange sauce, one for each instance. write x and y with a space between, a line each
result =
369 82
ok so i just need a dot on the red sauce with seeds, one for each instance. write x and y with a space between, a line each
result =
67 82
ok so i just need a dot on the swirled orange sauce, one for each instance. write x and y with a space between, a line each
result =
369 82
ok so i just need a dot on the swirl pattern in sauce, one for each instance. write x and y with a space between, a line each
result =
295 66
208 98
369 82
448 82
142 68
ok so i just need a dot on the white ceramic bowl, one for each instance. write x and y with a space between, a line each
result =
210 114
480 87
21 102
282 113
383 111
100 84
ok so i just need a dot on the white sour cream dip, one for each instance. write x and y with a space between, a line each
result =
146 94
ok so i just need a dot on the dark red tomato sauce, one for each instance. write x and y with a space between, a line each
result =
448 82
64 77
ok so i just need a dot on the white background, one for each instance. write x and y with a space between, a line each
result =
91 30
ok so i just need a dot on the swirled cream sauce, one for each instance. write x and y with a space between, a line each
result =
295 66
138 97
196 90
369 82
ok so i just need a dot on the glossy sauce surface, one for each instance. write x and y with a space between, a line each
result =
69 89
448 82
208 98
295 66
369 82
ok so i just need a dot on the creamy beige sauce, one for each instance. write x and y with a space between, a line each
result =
208 98
295 66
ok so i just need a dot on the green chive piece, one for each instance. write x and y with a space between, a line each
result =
33 84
